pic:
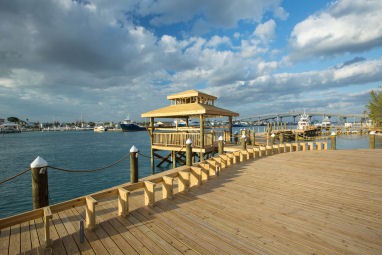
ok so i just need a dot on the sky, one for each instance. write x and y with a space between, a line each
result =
103 60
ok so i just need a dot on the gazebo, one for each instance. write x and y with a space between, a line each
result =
190 104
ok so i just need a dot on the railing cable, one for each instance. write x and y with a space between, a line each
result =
13 177
90 170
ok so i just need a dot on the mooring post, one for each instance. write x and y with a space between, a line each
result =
243 142
268 138
372 140
281 137
252 137
296 137
134 164
333 140
272 139
220 145
189 152
40 189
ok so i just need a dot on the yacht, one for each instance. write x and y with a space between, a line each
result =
326 122
99 129
303 122
128 126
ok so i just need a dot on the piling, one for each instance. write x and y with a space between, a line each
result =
333 140
220 145
372 140
252 137
40 191
133 164
281 137
296 137
189 152
243 142
273 139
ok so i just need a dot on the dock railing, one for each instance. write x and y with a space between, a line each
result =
186 177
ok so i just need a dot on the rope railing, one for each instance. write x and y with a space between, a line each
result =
69 170
13 177
89 170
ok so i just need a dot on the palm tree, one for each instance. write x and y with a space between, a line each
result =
375 107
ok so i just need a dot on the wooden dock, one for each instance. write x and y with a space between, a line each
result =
305 202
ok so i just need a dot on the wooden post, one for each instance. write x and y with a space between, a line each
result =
167 187
236 138
90 217
230 128
253 137
272 139
152 159
184 181
149 193
220 145
372 140
123 202
40 189
281 137
201 119
195 176
188 152
296 137
243 141
333 141
133 164
47 217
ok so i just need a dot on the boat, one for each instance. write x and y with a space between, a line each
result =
128 126
326 122
99 129
303 122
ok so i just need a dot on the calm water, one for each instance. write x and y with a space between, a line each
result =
82 150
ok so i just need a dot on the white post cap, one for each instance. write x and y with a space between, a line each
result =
333 133
39 162
243 136
188 141
133 149
273 135
220 138
372 133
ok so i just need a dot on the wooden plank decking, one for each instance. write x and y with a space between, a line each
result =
313 202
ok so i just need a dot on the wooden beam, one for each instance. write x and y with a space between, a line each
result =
195 176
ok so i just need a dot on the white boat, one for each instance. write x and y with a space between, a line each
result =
326 122
303 122
99 129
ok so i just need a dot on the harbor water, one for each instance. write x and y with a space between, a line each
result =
84 150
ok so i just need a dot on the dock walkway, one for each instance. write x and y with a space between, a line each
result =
312 202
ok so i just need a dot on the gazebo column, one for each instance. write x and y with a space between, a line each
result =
152 141
201 120
230 128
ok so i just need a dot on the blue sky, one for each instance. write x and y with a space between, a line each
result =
103 60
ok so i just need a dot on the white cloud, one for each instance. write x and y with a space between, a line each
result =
344 26
266 31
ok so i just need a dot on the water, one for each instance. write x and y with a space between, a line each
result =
84 150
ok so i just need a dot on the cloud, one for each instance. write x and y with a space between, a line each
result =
217 13
266 31
344 26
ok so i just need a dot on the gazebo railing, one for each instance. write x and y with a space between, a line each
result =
179 139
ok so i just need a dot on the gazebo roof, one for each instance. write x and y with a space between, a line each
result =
190 108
